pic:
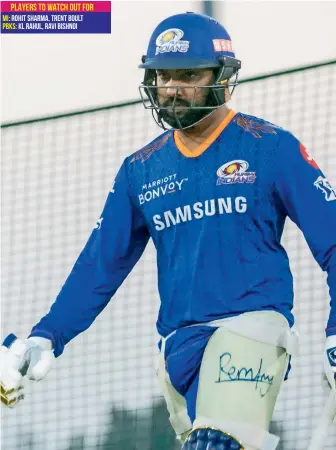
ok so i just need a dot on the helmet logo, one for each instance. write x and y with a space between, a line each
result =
170 41
222 45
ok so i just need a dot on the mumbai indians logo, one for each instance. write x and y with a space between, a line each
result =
323 184
170 41
331 353
235 172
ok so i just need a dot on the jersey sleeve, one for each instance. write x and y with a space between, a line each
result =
310 201
113 248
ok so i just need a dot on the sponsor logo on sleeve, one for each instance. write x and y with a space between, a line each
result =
307 157
323 185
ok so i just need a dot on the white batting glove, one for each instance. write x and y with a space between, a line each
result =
20 357
330 361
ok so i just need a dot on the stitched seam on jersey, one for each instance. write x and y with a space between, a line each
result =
43 331
208 141
278 176
53 338
146 152
129 192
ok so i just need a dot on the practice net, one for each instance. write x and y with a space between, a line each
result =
103 393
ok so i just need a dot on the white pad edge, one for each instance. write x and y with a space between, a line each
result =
180 422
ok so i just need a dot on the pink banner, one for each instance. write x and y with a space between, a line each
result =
49 7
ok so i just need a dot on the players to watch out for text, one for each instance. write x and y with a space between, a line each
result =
213 192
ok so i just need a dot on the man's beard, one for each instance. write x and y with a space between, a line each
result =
192 114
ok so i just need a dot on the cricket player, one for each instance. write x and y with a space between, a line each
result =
213 193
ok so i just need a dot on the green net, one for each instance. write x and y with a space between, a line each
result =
102 393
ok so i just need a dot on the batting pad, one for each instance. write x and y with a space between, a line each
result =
238 386
239 381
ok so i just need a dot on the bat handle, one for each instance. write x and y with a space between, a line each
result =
24 368
321 432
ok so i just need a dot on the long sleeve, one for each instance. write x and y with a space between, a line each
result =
114 247
309 200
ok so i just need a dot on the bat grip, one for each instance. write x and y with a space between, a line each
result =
24 368
320 433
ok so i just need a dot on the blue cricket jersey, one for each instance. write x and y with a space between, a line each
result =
216 216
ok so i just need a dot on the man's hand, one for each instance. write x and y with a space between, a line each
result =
330 361
20 357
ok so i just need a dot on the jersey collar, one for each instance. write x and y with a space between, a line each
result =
207 142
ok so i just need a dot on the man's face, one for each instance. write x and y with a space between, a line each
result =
186 95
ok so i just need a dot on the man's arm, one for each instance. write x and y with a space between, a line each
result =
114 247
309 200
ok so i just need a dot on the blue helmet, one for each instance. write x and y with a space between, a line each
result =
189 41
